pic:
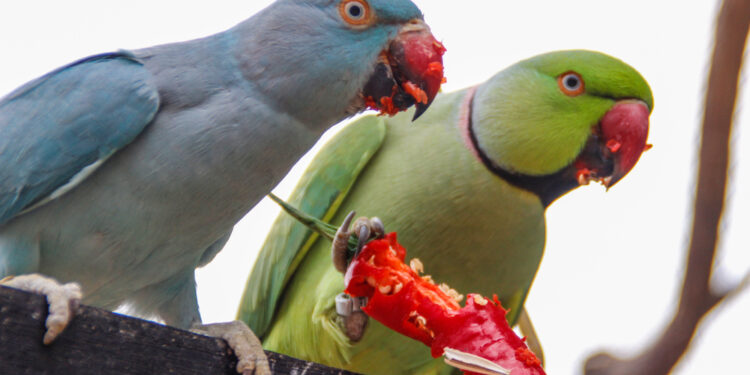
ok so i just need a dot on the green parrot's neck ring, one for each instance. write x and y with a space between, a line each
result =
464 123
547 187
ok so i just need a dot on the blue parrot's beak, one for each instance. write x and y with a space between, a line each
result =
408 73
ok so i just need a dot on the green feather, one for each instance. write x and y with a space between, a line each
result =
526 125
319 195
306 325
472 229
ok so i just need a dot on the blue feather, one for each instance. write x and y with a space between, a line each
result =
151 157
57 125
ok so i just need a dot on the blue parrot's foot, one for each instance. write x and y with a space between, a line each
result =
354 319
251 360
63 300
364 229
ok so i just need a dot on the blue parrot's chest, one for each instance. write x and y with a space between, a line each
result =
148 214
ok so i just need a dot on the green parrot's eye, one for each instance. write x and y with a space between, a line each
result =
355 12
571 83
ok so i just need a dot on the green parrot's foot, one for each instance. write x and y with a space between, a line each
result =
364 229
354 319
251 359
355 325
63 300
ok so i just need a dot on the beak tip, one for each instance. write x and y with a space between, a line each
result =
420 109
418 60
612 180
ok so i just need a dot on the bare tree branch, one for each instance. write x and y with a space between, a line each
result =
697 297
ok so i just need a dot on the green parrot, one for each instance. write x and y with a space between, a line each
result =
465 187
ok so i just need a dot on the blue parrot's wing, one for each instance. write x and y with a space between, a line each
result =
60 127
319 193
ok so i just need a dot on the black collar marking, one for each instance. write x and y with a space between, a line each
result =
548 187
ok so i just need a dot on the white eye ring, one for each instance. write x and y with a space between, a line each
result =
355 10
571 82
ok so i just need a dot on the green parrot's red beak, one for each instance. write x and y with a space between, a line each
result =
616 145
409 72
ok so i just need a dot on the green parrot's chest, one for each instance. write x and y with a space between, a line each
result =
470 229
477 239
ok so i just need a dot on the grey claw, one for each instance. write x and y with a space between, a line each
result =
365 229
362 237
340 244
378 229
347 221
355 325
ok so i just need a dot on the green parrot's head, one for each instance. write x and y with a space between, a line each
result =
568 117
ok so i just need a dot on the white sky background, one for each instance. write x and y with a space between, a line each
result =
613 263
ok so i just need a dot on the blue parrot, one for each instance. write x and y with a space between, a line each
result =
125 171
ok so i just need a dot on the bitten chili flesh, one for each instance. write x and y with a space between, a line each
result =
416 307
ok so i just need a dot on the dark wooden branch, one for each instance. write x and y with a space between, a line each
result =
697 297
104 343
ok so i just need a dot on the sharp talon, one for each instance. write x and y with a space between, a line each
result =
251 360
347 221
365 229
362 237
63 300
340 244
378 229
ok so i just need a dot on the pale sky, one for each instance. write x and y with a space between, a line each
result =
613 263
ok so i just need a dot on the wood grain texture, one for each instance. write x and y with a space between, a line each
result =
100 342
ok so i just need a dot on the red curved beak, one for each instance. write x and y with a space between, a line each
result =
616 144
409 72
624 130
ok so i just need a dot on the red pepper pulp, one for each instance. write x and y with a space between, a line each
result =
414 306
417 72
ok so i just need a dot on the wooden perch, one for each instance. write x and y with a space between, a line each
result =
698 297
104 343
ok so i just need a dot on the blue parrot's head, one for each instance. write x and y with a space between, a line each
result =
365 53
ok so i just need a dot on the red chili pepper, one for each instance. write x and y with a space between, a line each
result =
414 306
418 94
385 107
419 74
435 69
613 145
370 103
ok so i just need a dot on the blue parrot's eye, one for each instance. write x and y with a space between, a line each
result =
571 83
355 12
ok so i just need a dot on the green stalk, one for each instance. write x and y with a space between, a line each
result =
324 229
